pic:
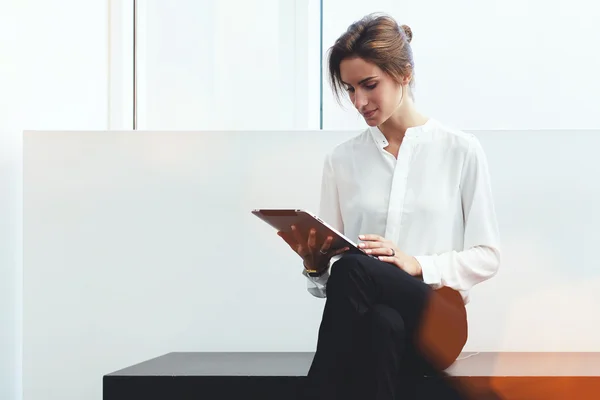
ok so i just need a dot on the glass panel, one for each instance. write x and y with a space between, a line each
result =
228 64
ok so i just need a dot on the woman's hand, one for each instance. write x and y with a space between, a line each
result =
315 255
387 251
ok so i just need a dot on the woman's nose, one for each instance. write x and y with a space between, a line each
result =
360 100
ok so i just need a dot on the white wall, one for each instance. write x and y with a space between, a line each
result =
125 259
495 64
53 75
138 244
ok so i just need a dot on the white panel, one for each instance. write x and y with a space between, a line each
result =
135 246
546 294
203 66
53 75
10 201
499 64
141 243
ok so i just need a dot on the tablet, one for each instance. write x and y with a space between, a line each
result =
304 220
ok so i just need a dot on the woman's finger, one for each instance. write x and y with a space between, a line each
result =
388 259
297 235
312 239
371 237
373 245
381 251
326 244
340 251
302 251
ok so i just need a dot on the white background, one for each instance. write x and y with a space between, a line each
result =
480 65
135 247
53 75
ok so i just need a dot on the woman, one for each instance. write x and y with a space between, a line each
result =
416 196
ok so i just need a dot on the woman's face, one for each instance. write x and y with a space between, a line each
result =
374 93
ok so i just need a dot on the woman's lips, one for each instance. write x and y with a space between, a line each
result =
369 114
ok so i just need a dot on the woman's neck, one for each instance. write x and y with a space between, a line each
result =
396 126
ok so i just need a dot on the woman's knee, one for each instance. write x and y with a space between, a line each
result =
385 319
345 272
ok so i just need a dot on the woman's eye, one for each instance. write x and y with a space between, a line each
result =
371 87
349 89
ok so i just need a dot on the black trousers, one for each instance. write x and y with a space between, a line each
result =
382 331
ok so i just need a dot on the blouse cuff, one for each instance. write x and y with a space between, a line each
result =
431 274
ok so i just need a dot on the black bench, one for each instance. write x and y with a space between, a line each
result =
182 376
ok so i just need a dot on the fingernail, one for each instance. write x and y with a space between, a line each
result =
361 237
361 245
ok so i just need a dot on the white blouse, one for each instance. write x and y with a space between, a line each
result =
434 202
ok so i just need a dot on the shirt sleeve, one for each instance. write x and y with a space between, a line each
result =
330 212
480 258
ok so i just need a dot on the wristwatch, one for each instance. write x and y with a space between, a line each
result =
314 273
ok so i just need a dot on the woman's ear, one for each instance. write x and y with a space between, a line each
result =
408 77
406 80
